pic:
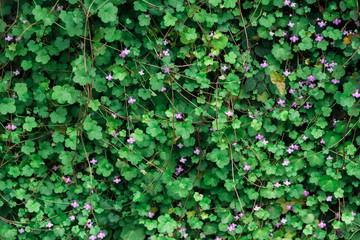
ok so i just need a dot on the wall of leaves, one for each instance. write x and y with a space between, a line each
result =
179 119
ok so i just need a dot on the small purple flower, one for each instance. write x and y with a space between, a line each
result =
335 81
115 134
281 102
131 140
232 227
89 224
241 215
264 141
49 224
335 121
178 115
224 68
229 113
211 34
278 224
166 52
289 207
322 141
93 161
286 163
211 55
55 168
306 193
284 34
74 204
165 42
21 230
117 180
163 89
336 21
294 38
212 130
257 208
271 33
307 106
322 23
179 169
319 38
59 8
124 53
24 21
180 145
293 4
287 3
167 69
131 100
72 217
289 150
182 160
283 220
151 214
291 24
109 77
329 158
114 115
277 184
287 183
246 68
286 73
353 213
246 167
259 136
8 38
218 238
292 91
87 206
141 72
197 151
328 198
11 126
236 217
16 72
356 94
92 237
264 64
304 137
68 179
322 224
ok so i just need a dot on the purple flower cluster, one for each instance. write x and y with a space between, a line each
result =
124 53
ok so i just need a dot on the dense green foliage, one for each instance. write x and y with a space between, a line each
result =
136 119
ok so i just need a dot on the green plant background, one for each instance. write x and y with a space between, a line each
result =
61 104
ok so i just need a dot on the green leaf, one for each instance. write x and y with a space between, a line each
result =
59 116
7 105
267 20
28 147
133 232
104 168
166 224
107 13
92 129
169 20
29 124
329 184
184 129
348 218
282 52
32 206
